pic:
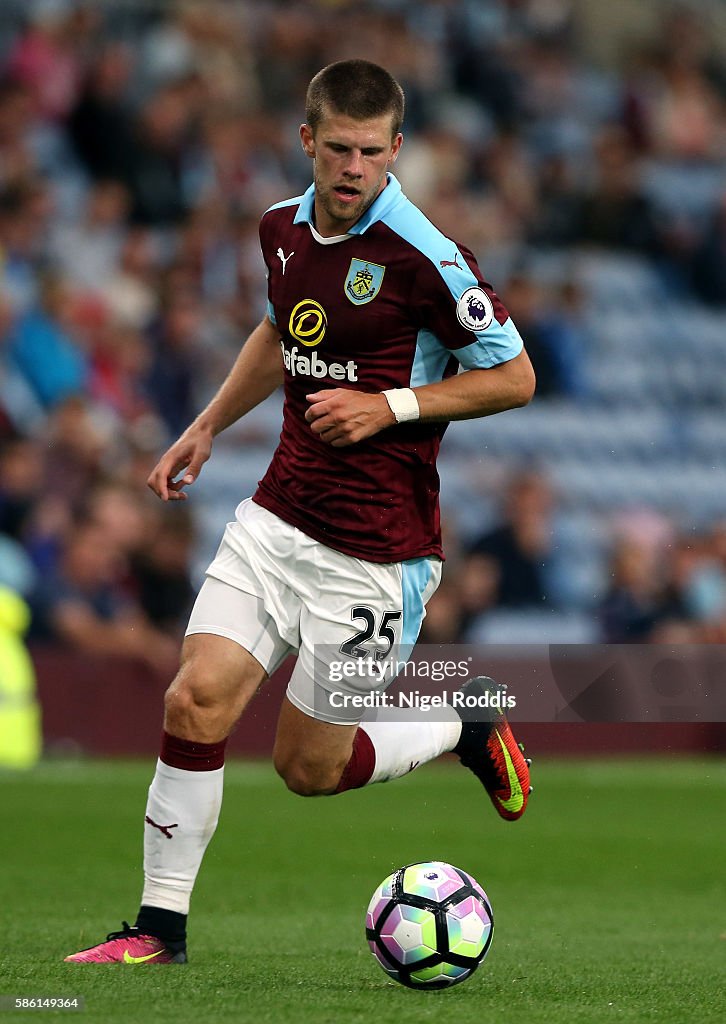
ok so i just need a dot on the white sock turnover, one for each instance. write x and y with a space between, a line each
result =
402 743
181 816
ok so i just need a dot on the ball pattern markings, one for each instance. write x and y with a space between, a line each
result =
409 934
468 925
379 901
432 880
441 975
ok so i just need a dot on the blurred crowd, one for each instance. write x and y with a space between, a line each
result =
139 144
662 585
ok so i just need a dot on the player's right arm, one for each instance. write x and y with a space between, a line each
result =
257 371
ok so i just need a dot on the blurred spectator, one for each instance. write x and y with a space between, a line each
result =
646 593
46 345
552 343
172 374
510 172
86 251
20 410
100 126
615 212
21 484
155 545
81 606
555 219
48 56
237 158
480 580
77 440
74 448
24 212
685 116
705 586
672 106
708 263
161 570
153 164
131 294
469 589
630 611
480 66
519 548
16 121
122 514
119 371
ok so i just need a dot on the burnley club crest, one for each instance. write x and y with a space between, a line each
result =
363 281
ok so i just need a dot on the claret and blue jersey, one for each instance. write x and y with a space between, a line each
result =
394 303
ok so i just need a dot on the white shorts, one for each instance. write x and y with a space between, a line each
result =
276 591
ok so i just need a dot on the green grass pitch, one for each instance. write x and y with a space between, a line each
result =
608 896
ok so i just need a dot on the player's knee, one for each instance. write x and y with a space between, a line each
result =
306 783
192 703
186 696
308 779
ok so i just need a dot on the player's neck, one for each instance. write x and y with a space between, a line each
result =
328 227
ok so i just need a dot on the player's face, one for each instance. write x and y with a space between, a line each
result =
351 159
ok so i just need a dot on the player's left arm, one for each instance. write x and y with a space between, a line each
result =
342 416
475 393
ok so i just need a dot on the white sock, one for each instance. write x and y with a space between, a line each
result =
184 809
402 744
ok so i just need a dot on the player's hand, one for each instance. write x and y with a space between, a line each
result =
186 457
342 417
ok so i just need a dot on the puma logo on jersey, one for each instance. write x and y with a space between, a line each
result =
284 259
450 263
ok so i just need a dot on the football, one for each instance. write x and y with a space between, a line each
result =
429 925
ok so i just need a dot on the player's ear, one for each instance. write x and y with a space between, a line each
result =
307 139
395 148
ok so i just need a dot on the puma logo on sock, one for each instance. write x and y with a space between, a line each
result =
164 829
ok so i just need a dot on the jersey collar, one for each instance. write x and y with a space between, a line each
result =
390 196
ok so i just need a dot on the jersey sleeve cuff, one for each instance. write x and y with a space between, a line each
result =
491 347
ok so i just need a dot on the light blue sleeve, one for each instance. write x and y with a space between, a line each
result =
462 309
498 344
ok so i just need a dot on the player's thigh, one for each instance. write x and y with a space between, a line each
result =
231 646
311 754
215 669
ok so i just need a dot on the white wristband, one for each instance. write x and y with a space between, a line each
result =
403 403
